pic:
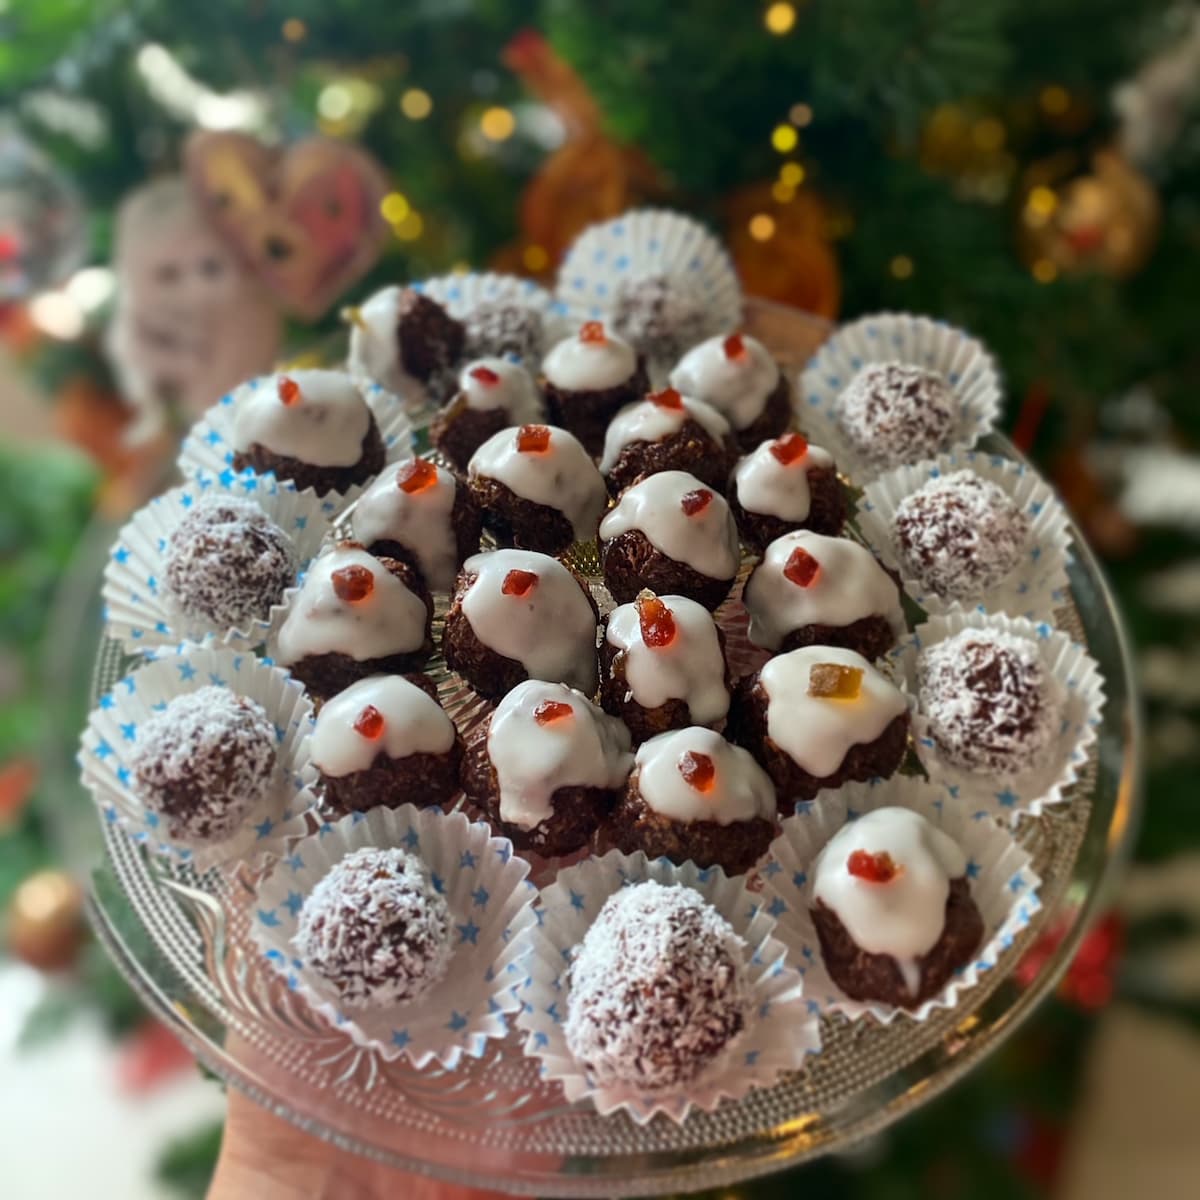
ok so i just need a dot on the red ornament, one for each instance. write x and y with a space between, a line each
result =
667 398
735 348
550 711
790 448
485 375
592 333
289 391
352 584
694 503
801 568
533 439
873 868
1090 979
416 476
369 723
657 623
698 770
518 583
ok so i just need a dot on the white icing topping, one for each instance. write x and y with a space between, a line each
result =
904 917
814 731
706 541
775 489
550 631
391 620
532 761
374 344
578 366
740 789
514 391
650 422
689 668
413 723
737 387
324 427
849 585
563 476
419 521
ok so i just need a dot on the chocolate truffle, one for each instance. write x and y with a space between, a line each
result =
310 427
204 762
537 488
375 930
893 909
500 328
820 717
418 513
520 615
657 989
227 563
399 336
660 317
355 616
674 535
694 797
662 666
667 432
786 483
492 395
991 703
546 767
811 590
960 535
739 378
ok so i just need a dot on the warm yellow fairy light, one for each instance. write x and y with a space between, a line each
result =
410 228
1040 204
497 124
784 138
1044 271
294 30
416 104
1055 99
800 114
394 207
762 227
783 193
791 174
779 18
901 266
988 134
535 258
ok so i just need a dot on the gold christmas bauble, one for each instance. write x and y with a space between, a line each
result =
44 926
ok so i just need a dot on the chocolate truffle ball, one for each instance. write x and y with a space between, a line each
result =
658 316
499 328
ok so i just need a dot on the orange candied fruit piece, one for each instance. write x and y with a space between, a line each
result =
369 722
698 770
533 439
668 397
353 583
801 568
485 375
518 582
592 332
790 448
874 868
416 476
694 503
735 347
656 621
832 681
550 711
289 391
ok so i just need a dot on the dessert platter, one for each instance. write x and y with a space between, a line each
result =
605 742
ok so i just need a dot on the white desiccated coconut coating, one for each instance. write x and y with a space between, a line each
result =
375 929
658 989
659 316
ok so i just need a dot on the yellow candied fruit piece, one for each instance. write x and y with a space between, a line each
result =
832 681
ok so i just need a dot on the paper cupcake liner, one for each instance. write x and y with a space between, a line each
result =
963 361
110 737
491 904
778 1039
208 447
1002 880
139 610
1081 685
1035 587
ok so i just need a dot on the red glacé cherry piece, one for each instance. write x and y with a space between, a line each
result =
417 476
352 584
789 448
656 621
734 347
667 398
533 439
694 503
485 375
801 568
550 711
289 391
369 723
592 332
874 868
518 583
698 770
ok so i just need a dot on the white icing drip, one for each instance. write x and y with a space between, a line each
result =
325 427
904 917
706 541
413 723
419 521
849 585
514 391
374 344
689 668
741 790
816 732
579 366
767 486
550 631
650 422
391 620
562 477
736 387
532 761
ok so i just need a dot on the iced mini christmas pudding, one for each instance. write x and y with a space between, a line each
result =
399 336
493 393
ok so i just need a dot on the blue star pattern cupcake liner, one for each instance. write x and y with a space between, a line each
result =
111 735
490 899
963 361
778 1038
1079 686
1002 882
1034 588
139 610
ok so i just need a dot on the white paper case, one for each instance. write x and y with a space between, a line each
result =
1034 588
781 1034
208 447
960 359
1002 882
139 610
110 737
491 902
1080 684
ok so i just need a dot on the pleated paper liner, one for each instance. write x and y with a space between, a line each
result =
491 904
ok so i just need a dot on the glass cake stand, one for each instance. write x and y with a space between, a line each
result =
182 940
